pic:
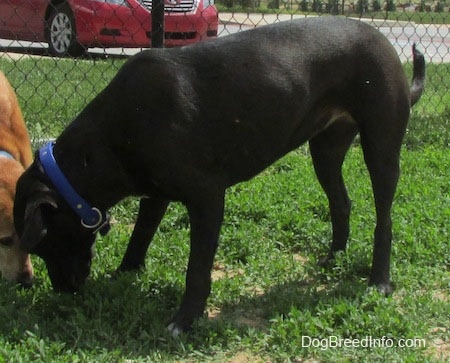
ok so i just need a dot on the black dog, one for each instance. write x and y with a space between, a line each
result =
185 124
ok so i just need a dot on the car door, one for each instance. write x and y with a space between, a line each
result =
22 19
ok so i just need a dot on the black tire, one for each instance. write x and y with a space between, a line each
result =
61 34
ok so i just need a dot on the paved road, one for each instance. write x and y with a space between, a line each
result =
433 40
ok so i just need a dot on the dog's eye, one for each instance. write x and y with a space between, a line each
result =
6 241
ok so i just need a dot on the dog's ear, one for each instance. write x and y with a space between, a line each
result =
34 224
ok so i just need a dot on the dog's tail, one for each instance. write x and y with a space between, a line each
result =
418 80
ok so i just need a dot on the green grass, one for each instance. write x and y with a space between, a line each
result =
52 93
267 292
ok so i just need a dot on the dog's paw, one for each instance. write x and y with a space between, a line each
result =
383 288
327 261
175 330
130 267
118 274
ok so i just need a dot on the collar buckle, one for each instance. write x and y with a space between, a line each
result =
98 224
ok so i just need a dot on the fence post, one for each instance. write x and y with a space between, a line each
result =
157 23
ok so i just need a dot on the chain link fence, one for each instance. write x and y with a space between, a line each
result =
59 54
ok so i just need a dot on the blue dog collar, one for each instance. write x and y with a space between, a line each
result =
5 154
91 217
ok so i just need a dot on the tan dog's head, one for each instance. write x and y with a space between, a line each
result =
15 264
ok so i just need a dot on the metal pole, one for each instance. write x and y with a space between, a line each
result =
158 23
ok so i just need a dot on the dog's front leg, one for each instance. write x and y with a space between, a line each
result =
151 211
205 218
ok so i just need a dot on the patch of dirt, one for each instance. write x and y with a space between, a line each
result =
254 321
244 357
220 271
299 258
239 357
441 296
439 348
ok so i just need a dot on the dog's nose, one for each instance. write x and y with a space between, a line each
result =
70 285
25 279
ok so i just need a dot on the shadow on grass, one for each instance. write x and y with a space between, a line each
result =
129 315
257 311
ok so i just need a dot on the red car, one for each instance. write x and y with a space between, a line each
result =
71 26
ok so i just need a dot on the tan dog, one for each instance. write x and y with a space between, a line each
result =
15 156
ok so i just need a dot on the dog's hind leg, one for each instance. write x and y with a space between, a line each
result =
381 139
384 172
328 150
151 211
206 217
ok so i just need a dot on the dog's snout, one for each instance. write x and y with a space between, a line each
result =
67 288
69 284
25 279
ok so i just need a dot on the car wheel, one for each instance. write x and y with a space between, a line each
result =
61 33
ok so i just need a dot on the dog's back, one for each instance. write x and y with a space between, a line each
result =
285 72
15 156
